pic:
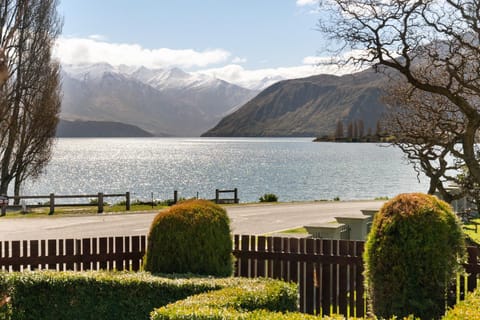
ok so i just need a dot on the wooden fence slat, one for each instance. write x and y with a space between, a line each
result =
309 279
34 253
236 248
1 256
135 249
24 253
335 282
359 280
343 274
69 251
86 254
7 249
261 242
61 254
110 250
119 251
326 277
103 250
127 250
52 254
244 263
270 261
277 263
43 253
6 254
293 247
78 254
285 263
317 276
351 278
473 260
16 255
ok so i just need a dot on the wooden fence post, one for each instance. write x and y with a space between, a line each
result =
235 192
217 195
100 202
175 196
127 201
52 203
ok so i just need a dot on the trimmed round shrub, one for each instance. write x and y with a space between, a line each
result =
411 255
190 237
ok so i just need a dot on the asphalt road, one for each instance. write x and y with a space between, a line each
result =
245 219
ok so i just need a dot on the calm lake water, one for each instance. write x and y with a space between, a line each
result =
291 168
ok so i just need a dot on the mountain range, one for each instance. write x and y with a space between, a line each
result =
308 107
171 102
162 102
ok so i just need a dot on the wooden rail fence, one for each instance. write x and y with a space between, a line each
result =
226 200
329 272
99 203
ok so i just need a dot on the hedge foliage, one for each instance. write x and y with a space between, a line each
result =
411 255
98 295
263 300
271 300
467 309
190 237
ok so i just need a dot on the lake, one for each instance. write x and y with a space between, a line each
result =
292 168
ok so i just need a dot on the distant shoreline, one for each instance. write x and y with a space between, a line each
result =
366 139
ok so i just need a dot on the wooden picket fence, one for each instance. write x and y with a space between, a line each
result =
329 272
106 253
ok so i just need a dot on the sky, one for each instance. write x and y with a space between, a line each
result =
235 40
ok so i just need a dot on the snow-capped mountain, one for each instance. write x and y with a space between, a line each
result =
161 101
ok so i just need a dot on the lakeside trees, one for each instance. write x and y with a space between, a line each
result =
30 97
432 47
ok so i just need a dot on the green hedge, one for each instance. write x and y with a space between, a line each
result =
260 299
192 236
412 253
98 295
467 309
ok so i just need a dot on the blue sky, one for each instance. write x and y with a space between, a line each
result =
227 38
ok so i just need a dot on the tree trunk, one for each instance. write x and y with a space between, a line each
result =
16 190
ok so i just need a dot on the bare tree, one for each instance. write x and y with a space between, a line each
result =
361 128
339 130
350 130
30 100
432 45
427 128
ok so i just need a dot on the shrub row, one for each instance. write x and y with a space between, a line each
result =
260 299
98 295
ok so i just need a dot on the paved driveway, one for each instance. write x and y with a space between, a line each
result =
246 219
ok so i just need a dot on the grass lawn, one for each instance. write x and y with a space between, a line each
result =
86 210
473 230
300 230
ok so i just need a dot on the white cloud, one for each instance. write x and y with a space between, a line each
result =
84 51
238 60
336 60
88 51
97 37
259 78
306 2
